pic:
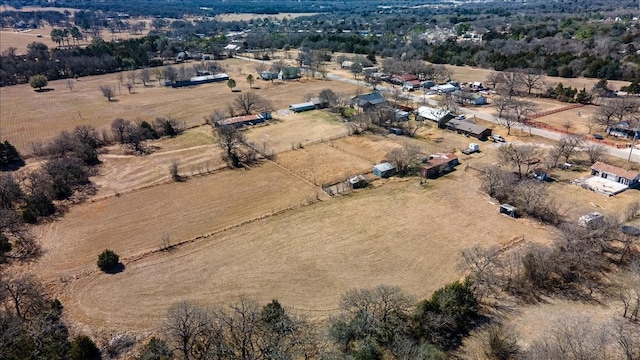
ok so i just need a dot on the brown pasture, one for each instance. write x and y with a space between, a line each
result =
399 233
133 224
28 116
292 130
323 164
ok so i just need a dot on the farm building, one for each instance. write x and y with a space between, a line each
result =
444 89
369 101
469 129
204 79
439 164
245 120
384 170
468 98
289 73
319 103
441 116
268 75
305 106
591 221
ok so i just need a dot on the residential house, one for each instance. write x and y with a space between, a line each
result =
411 85
614 173
624 129
439 164
268 75
468 98
369 101
469 129
401 79
289 73
440 116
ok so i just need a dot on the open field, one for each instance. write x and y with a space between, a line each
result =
19 39
305 258
28 116
133 224
292 130
247 17
324 164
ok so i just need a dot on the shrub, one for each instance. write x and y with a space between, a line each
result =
38 81
108 260
83 348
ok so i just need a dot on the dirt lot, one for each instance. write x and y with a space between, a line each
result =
28 116
304 258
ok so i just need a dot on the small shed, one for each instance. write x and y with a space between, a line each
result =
508 210
305 106
384 170
358 182
591 221
541 174
268 75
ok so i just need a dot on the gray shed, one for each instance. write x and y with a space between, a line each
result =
384 170
305 106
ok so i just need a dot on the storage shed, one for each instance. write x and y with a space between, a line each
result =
508 210
305 106
384 170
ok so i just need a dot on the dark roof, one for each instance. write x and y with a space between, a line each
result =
373 98
435 162
466 126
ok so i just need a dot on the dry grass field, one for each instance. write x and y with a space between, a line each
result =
398 233
133 224
324 164
28 116
292 130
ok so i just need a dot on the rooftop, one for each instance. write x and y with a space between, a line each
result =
610 169
466 126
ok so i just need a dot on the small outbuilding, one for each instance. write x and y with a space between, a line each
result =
591 221
384 170
305 106
508 210
358 182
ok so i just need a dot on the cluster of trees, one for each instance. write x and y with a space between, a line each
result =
9 156
372 324
99 57
569 94
134 134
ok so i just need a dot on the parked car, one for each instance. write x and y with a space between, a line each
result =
497 138
598 136
460 117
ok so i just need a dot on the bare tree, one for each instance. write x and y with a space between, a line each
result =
130 87
145 76
26 296
595 152
517 156
108 91
403 158
509 83
251 103
70 84
184 324
531 79
234 143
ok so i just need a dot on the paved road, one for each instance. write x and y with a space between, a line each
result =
619 153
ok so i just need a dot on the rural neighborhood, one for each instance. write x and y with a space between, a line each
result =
231 184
